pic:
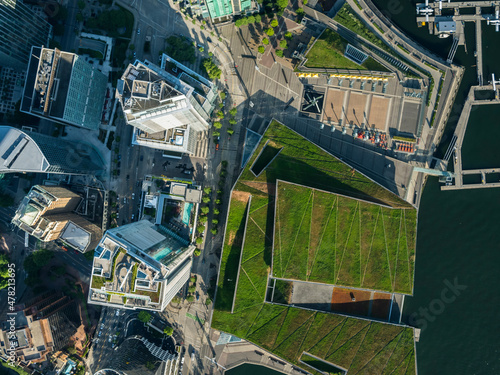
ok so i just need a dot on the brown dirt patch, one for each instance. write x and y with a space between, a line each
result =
230 238
241 196
265 187
342 301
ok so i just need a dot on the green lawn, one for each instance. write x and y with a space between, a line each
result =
233 238
328 52
363 347
347 17
338 240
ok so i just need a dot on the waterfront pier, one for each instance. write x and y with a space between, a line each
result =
455 148
458 33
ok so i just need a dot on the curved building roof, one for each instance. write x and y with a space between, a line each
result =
19 152
33 152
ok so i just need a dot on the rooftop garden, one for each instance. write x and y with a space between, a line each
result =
360 346
338 240
328 52
233 240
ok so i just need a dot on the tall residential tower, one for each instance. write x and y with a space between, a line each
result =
167 109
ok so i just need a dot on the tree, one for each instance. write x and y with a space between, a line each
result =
265 41
279 52
144 317
201 49
230 131
205 210
216 134
283 44
217 201
206 199
304 2
239 22
217 125
282 4
197 252
210 54
215 221
208 301
79 17
201 228
232 121
261 49
233 111
203 219
71 350
270 32
199 240
190 298
169 331
214 231
6 200
274 23
207 190
300 12
288 35
212 70
220 114
250 19
223 95
224 163
216 211
258 18
192 289
180 49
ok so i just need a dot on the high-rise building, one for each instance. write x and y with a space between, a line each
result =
20 29
168 111
31 339
47 213
22 151
140 266
222 10
63 87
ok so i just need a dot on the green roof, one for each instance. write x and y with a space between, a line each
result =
358 345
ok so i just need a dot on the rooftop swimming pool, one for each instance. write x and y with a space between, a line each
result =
162 253
186 213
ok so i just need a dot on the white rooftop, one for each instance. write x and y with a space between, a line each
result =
76 236
18 152
141 234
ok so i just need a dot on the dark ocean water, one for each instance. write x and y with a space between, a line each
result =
456 299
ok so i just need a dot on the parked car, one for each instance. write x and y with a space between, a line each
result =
124 200
133 195
64 248
216 147
139 31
